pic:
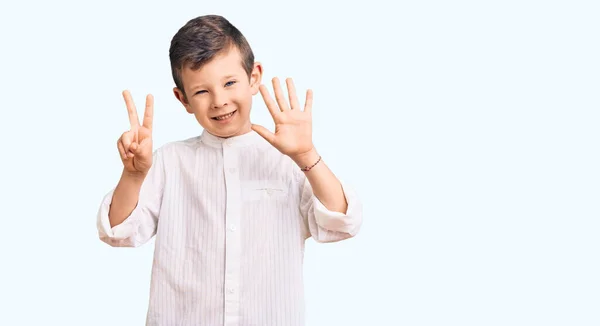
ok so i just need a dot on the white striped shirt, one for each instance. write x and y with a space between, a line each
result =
230 218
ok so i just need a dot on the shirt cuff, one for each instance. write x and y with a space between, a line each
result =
337 221
119 232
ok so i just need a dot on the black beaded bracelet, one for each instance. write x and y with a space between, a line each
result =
307 168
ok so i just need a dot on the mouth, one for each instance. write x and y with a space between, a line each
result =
224 116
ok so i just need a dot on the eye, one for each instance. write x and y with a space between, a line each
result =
230 83
200 92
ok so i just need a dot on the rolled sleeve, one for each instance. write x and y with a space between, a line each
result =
325 225
141 225
122 235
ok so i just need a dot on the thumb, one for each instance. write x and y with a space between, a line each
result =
264 133
142 146
134 147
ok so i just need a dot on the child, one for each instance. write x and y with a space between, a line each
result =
231 209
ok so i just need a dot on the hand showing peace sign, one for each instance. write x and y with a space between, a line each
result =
135 145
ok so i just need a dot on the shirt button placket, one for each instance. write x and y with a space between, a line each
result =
232 236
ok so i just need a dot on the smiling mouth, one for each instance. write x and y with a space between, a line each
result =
225 116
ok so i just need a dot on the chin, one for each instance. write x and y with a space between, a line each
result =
228 131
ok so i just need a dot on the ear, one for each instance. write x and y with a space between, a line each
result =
256 77
181 97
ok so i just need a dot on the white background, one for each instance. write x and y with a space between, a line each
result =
470 130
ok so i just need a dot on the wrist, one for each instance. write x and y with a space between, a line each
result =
306 159
133 177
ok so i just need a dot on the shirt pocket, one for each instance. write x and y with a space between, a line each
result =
258 190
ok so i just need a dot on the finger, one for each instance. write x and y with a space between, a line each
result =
309 101
283 106
149 112
121 150
127 139
129 150
144 146
133 117
264 133
134 148
271 105
292 94
143 150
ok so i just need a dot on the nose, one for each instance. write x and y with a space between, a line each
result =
219 100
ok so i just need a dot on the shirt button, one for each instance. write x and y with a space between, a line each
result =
269 192
232 227
232 170
231 290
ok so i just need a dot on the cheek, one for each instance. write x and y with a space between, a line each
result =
243 101
198 106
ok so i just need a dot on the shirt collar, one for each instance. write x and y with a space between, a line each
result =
246 139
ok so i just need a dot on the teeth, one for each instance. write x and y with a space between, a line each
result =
225 116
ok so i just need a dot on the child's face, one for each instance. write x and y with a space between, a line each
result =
221 87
